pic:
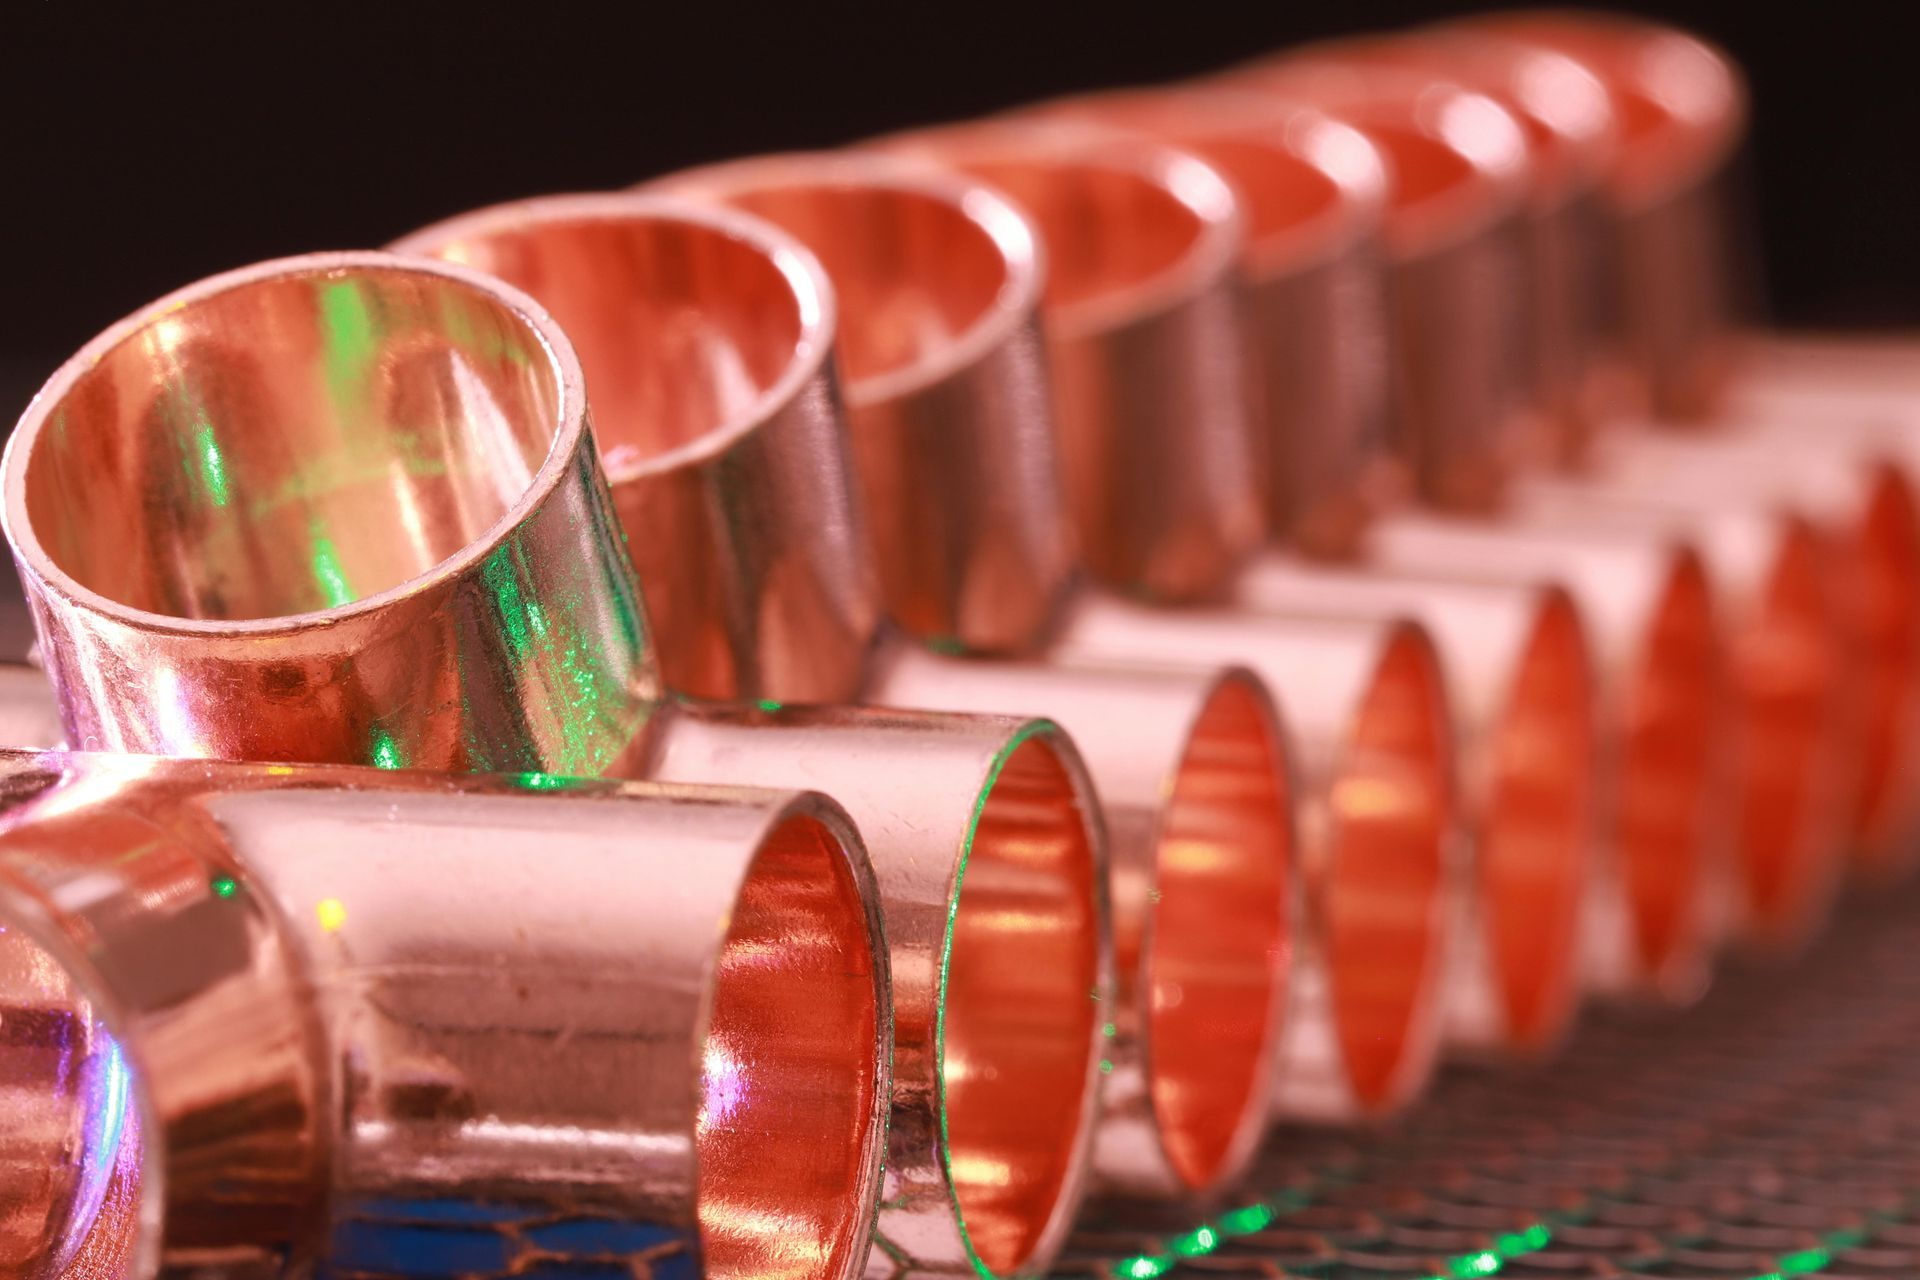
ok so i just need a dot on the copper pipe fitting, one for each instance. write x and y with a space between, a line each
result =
1314 191
994 888
1457 167
233 1040
707 509
1648 609
938 279
1143 321
1522 689
339 508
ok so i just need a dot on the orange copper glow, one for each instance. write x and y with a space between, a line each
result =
1886 556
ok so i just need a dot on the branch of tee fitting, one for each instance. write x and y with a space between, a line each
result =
234 1034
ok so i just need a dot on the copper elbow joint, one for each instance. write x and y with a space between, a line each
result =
710 338
939 279
1151 394
234 1039
188 500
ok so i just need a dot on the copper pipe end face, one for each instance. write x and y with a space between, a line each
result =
1457 166
991 864
1152 396
341 507
1523 690
1314 191
1191 773
939 280
1649 619
707 338
233 1034
1374 751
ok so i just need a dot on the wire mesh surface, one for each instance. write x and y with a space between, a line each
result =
1772 1130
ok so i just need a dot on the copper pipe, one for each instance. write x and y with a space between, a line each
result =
339 508
1142 317
937 345
1314 191
707 443
234 1040
1524 708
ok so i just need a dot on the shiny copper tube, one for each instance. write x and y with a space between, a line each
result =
234 1041
1314 191
1456 164
1142 317
705 506
1244 808
340 508
1524 706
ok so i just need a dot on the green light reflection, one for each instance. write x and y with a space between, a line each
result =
213 468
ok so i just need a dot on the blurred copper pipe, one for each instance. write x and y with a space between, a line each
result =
1142 317
1213 765
339 508
1314 191
1522 689
234 1040
1457 167
936 276
752 593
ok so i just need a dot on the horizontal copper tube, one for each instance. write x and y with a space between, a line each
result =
1648 608
721 447
1378 846
939 280
1523 690
1142 318
339 508
1456 164
233 1038
1314 191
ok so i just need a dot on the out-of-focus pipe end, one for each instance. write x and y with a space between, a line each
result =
1885 553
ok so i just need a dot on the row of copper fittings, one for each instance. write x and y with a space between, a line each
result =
1228 590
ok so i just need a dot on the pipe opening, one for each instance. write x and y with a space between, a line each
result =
1019 1019
289 440
75 1189
1886 559
1433 190
1217 957
1666 770
788 1137
1391 817
1786 669
1536 842
682 322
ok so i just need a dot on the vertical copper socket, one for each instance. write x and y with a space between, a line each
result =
1681 111
1791 676
1457 166
1378 850
1648 609
1314 191
939 280
749 548
1523 689
1192 777
338 508
235 1042
1152 394
993 880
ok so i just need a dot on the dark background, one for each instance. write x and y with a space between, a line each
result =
145 146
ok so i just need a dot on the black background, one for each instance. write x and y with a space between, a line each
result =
145 146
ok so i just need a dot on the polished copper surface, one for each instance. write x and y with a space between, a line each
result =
1192 776
939 281
1314 191
1523 693
707 340
240 1041
992 876
339 508
1152 397
1648 610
